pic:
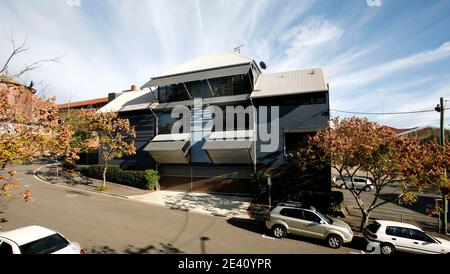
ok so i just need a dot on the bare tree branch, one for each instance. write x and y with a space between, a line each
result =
15 51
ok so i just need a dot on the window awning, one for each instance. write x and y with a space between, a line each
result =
197 76
169 150
229 151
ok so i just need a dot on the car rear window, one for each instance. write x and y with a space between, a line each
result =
45 245
373 227
5 249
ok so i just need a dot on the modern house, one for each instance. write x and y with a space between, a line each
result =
207 124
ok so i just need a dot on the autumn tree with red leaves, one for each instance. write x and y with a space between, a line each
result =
106 131
355 145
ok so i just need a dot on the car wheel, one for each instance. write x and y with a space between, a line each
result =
387 249
279 231
367 189
334 241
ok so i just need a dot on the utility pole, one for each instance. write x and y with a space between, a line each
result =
441 109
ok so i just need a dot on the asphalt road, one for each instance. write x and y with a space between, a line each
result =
107 224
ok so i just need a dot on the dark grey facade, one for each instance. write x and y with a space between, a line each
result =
214 162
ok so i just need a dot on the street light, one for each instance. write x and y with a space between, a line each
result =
441 109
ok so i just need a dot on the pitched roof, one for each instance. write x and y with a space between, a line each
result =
290 83
207 62
131 100
83 103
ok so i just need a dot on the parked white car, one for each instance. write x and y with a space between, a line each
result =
386 237
359 183
36 240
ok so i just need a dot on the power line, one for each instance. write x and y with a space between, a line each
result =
384 113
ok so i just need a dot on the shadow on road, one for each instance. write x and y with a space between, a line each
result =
77 192
101 250
150 249
358 242
249 225
423 202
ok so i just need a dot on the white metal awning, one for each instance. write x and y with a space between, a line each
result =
230 147
170 148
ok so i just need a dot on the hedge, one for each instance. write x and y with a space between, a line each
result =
115 174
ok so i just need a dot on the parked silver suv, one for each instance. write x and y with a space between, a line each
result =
294 219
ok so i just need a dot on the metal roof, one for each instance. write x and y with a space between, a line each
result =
83 103
204 67
131 100
290 83
207 62
199 76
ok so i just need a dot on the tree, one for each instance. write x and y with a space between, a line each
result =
16 50
107 132
356 145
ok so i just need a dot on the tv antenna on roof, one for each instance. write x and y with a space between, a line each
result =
238 48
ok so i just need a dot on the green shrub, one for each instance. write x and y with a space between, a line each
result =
258 184
133 178
152 177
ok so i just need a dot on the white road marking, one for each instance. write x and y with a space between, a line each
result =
71 195
353 252
267 237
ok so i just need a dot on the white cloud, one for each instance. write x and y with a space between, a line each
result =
307 41
365 76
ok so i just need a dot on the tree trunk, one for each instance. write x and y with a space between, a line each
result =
104 175
365 219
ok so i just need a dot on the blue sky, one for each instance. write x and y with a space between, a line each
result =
389 56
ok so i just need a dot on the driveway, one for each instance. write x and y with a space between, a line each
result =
204 203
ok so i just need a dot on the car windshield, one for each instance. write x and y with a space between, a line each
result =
46 245
326 218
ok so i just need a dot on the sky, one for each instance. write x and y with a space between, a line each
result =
379 55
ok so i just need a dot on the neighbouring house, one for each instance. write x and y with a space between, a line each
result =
231 119
426 133
86 104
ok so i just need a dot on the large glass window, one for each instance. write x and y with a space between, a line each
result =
233 85
172 93
234 118
223 86
165 123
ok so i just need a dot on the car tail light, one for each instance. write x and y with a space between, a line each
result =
82 251
268 217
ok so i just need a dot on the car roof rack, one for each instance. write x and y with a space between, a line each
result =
293 204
